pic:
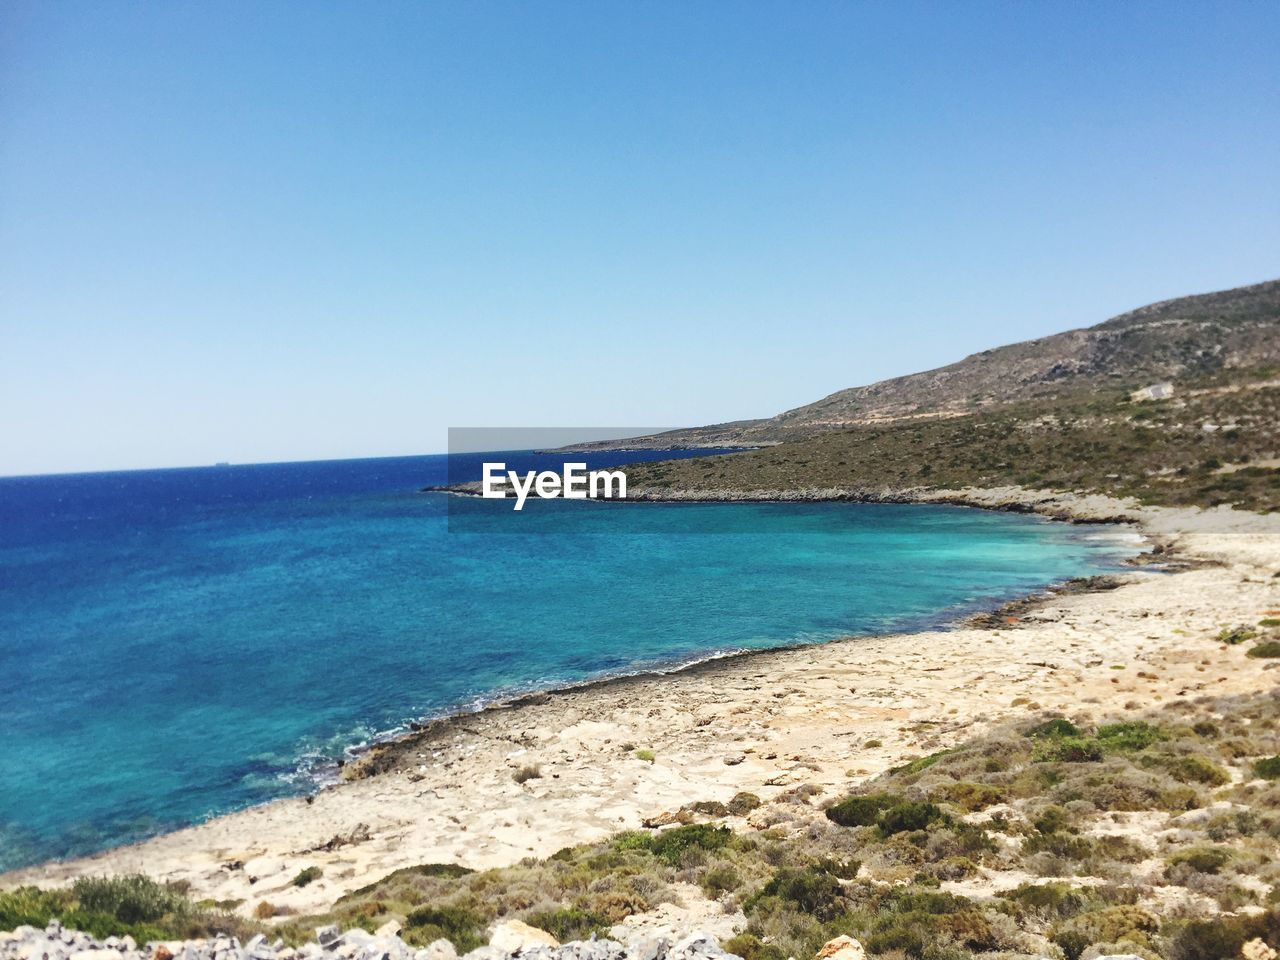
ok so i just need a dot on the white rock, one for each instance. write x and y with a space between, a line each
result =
841 948
514 936
440 949
696 944
648 946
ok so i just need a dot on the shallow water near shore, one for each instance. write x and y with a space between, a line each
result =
176 644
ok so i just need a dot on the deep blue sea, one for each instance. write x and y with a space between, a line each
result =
180 643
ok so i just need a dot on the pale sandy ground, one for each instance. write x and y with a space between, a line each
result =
762 723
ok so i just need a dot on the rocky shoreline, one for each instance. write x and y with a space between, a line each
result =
1068 507
615 754
508 941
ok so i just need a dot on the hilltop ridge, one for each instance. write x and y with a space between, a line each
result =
1186 337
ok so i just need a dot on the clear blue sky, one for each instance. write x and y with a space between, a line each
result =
268 231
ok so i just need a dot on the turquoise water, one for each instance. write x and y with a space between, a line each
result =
176 644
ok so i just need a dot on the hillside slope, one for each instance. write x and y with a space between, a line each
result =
1185 338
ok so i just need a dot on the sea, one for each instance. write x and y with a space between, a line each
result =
178 644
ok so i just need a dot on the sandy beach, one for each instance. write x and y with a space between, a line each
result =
766 722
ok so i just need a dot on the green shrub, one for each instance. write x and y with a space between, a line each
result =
1219 938
132 898
1066 846
1265 650
1110 925
845 869
719 880
1057 900
131 905
1267 768
812 891
670 845
570 923
445 870
460 926
1053 729
750 947
646 755
307 875
1197 769
861 811
1052 819
1235 635
909 815
31 906
743 803
971 796
1201 859
1067 750
1130 735
921 763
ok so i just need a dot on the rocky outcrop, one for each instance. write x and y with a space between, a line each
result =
841 948
509 940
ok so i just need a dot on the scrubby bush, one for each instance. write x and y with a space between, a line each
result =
133 898
130 905
1056 728
307 875
462 927
1221 937
672 846
526 773
909 815
1267 649
1067 750
861 811
1130 735
1053 900
570 923
1194 768
1235 635
31 907
719 880
813 891
970 796
1111 925
922 763
1201 859
750 947
1267 768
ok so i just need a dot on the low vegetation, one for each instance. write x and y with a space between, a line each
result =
1209 444
130 905
1156 835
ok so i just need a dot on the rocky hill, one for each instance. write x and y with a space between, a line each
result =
1189 337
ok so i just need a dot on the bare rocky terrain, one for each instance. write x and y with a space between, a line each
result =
1184 338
